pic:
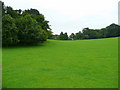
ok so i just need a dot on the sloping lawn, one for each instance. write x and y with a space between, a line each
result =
62 64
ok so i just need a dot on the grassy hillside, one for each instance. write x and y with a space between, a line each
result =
62 64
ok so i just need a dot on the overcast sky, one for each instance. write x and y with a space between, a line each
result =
72 15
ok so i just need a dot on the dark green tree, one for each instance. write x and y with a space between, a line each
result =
30 25
30 31
50 34
103 33
43 23
72 36
65 36
79 35
113 30
86 31
10 11
19 11
32 11
61 36
9 32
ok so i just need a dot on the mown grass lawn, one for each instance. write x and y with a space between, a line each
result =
62 64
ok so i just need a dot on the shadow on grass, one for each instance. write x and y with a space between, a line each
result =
26 46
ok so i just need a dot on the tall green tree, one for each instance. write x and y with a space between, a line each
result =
28 26
43 23
9 32
72 36
32 11
113 30
19 11
10 11
65 36
79 35
103 33
29 30
61 36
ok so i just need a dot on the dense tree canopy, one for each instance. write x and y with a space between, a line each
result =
29 30
63 36
10 31
112 30
24 26
40 19
32 11
72 36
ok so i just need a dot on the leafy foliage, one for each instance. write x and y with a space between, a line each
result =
29 30
24 27
32 11
63 36
10 31
72 36
112 30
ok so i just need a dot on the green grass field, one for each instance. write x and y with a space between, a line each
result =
62 64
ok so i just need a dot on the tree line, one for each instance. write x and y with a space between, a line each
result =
23 27
112 30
